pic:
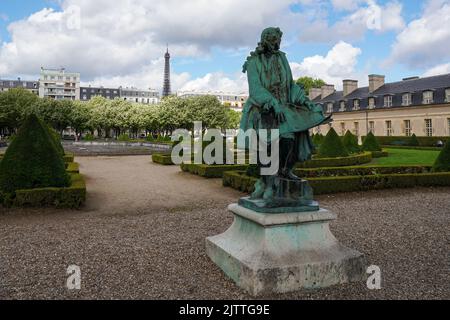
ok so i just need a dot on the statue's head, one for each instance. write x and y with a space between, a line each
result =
271 39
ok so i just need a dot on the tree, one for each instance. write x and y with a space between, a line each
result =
15 105
307 83
332 146
32 160
413 141
371 143
79 117
442 163
234 119
350 142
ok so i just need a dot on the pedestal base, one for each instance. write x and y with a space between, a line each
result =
279 253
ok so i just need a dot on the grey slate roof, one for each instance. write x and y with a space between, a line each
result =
9 84
438 84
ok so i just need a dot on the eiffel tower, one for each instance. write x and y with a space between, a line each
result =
166 89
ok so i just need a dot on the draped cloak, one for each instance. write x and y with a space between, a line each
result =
271 82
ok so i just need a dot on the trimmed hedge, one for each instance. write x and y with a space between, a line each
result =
72 197
72 167
350 142
32 160
164 159
370 143
332 146
360 171
442 163
362 158
329 185
406 141
414 148
211 171
69 157
380 154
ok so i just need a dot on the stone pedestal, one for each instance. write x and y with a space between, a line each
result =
278 253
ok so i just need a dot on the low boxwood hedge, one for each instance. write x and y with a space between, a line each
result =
72 167
359 171
211 171
380 154
164 159
358 159
415 148
406 141
329 185
72 197
69 157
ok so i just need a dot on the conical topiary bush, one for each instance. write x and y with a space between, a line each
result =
371 143
350 142
32 160
56 139
413 141
442 163
317 139
332 146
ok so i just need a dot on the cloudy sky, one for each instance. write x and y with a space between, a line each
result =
114 43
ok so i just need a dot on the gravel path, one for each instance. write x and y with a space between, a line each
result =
142 235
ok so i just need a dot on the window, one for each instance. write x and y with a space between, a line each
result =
428 97
330 108
342 128
356 104
429 127
389 131
342 106
387 101
372 127
447 95
371 103
84 97
356 129
406 99
408 130
84 90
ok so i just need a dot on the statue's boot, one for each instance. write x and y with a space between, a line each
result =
260 188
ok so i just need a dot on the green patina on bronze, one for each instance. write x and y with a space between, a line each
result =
277 102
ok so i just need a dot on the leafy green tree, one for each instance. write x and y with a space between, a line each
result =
80 116
307 83
15 105
234 119
332 146
413 141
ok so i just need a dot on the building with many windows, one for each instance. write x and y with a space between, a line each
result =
32 86
149 96
87 93
414 105
234 101
59 85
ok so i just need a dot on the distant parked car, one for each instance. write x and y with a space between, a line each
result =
69 137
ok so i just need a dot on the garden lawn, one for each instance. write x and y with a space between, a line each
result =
408 157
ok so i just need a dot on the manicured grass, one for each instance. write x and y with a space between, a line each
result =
408 157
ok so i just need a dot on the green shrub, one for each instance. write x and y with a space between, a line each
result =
370 143
332 146
71 197
32 160
69 157
442 163
362 158
164 159
211 171
72 167
413 141
56 139
124 138
358 171
318 139
88 137
405 141
350 142
380 154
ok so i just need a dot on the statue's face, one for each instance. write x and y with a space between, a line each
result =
272 40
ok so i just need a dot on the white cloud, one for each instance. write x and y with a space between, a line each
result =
347 5
370 16
437 70
424 42
218 82
339 64
121 40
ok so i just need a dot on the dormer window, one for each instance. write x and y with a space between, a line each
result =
428 97
371 103
356 104
342 106
447 95
406 99
387 101
330 107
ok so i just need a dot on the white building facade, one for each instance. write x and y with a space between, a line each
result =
58 84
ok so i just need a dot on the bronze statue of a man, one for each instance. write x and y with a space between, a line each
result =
277 102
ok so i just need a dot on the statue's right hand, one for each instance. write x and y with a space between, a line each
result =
279 114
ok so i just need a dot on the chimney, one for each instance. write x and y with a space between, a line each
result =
350 86
327 90
314 93
375 82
